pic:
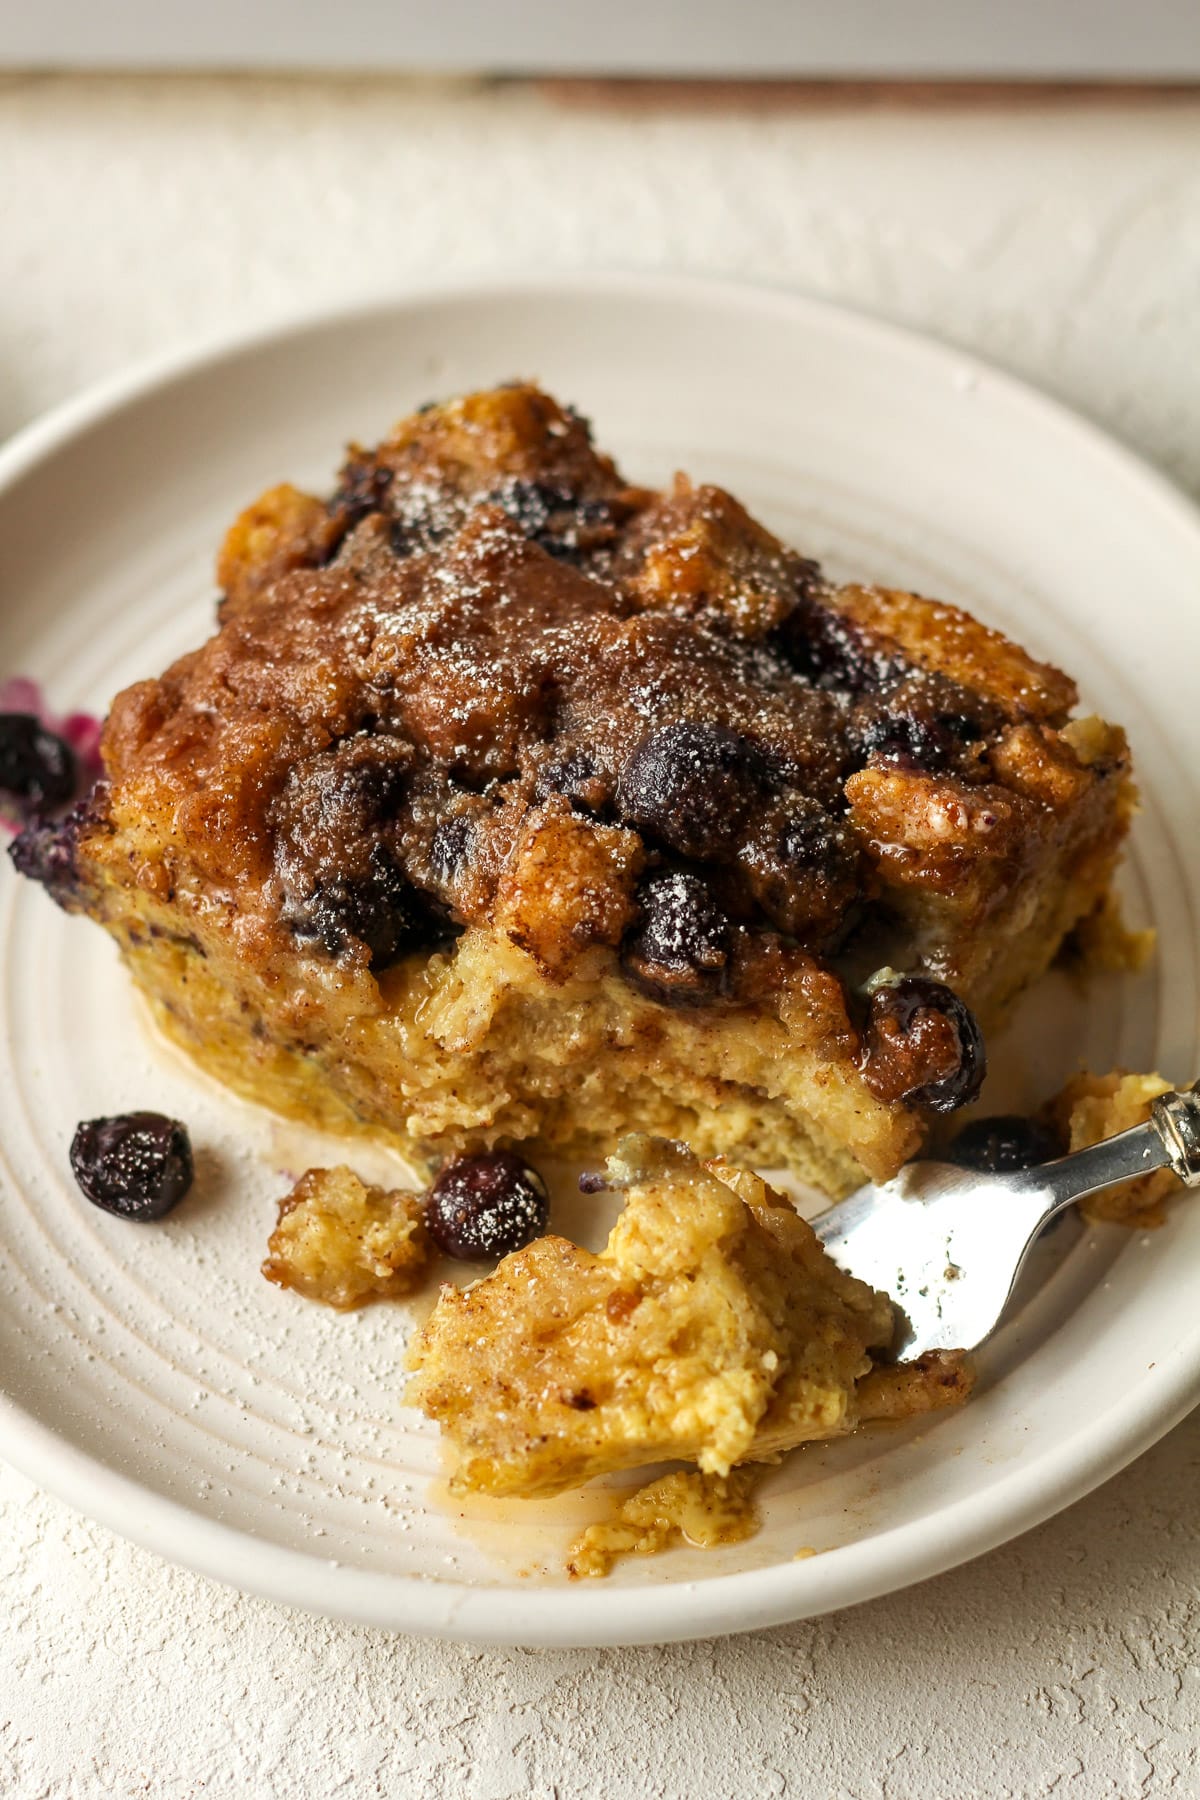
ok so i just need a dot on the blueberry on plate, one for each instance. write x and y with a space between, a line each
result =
1005 1142
486 1206
38 771
136 1165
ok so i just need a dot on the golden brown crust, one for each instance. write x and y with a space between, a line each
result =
282 530
697 550
503 622
950 641
567 887
943 836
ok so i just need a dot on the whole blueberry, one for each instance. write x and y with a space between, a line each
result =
679 949
482 1207
38 771
377 906
690 785
831 651
923 1045
137 1165
920 718
1006 1142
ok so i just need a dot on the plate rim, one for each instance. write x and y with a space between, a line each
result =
597 1615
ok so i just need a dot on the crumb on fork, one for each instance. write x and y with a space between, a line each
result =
895 1391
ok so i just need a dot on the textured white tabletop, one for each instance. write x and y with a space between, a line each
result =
1064 243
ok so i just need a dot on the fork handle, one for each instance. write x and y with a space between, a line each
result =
1169 1139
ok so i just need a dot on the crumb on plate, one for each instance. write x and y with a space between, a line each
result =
344 1243
704 1510
1093 1107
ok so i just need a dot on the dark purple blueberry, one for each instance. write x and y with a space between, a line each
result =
577 777
341 881
809 836
378 907
47 849
363 489
831 651
927 743
922 719
419 514
535 506
38 771
482 1207
923 1045
372 776
679 950
1007 1141
690 785
560 521
421 517
801 866
136 1165
449 845
342 795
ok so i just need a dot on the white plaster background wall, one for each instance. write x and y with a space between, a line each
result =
1065 243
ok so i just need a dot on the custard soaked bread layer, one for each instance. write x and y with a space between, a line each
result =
512 801
713 1328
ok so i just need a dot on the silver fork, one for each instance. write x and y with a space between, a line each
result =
948 1243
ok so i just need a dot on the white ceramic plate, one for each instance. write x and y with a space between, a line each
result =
151 1377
